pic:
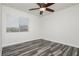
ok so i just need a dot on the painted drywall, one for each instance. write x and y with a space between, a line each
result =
62 26
19 37
0 28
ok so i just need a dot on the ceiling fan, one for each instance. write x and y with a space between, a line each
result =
43 7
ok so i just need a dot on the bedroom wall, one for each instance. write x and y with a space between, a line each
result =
62 26
0 28
19 37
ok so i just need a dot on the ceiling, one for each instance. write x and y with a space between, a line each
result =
26 6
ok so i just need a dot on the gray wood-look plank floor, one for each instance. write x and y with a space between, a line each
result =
40 47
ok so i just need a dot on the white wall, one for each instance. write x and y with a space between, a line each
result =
18 37
62 26
0 28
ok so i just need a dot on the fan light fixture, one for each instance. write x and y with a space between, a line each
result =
42 9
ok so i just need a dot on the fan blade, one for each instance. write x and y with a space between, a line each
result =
50 10
40 4
49 4
41 12
34 8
